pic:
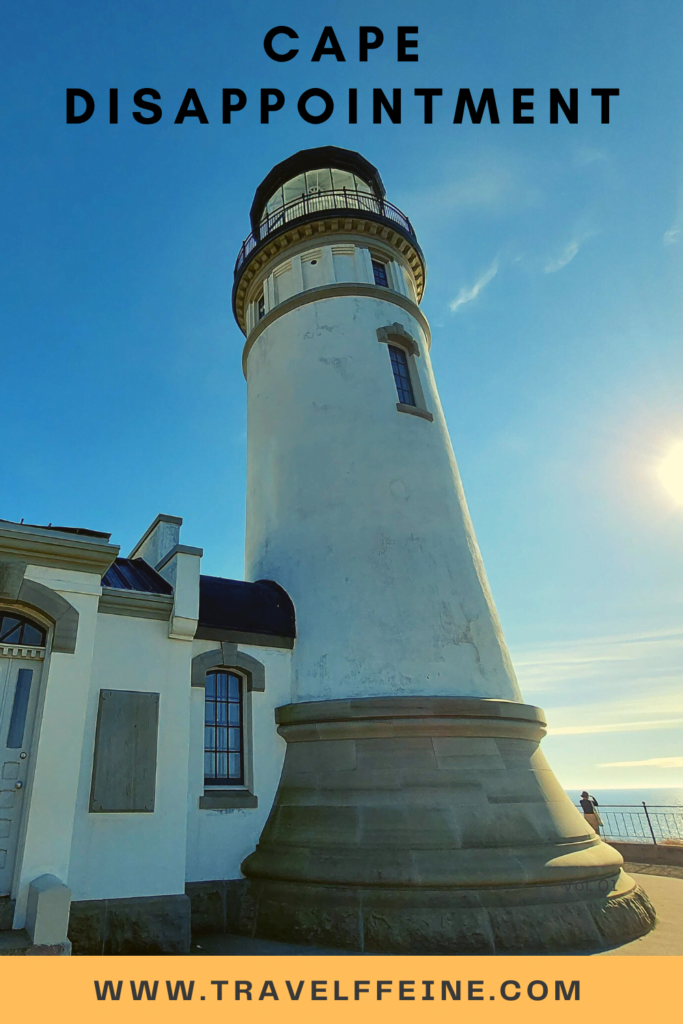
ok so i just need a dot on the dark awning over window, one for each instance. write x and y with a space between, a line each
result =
261 613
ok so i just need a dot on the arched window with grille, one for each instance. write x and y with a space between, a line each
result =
224 729
15 629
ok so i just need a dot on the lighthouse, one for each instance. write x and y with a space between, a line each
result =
416 812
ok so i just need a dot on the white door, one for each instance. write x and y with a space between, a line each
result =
19 679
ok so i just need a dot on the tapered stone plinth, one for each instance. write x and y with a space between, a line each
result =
431 825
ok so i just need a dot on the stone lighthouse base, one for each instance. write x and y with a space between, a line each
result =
431 825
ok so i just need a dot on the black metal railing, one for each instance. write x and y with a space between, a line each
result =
642 823
342 199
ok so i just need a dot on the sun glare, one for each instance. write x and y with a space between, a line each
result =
670 472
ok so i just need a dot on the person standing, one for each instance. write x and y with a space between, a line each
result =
589 806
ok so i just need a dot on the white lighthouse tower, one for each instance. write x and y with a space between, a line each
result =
415 812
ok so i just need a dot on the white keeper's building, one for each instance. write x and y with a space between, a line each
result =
334 751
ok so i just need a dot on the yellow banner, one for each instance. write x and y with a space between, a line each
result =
290 988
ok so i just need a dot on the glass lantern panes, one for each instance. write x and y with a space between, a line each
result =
293 195
223 730
295 188
270 215
343 180
319 181
320 189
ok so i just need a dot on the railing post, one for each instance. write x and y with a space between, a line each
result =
650 824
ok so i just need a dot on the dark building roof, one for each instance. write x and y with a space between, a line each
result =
135 574
235 610
311 160
80 530
261 613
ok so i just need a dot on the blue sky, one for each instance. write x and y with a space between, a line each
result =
554 293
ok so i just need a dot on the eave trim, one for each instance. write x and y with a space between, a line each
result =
238 636
60 550
135 603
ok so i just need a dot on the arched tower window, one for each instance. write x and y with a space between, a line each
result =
15 629
223 729
399 364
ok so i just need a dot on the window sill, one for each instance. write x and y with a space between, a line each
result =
217 799
415 410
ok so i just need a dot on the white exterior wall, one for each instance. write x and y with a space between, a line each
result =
114 855
219 840
51 792
117 855
357 510
136 854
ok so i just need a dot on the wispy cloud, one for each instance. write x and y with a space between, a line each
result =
487 183
653 762
606 684
554 662
468 294
585 156
614 697
673 235
646 726
565 256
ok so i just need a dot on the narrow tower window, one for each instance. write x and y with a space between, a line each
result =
261 306
223 730
399 364
379 271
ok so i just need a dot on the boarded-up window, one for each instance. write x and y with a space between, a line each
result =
312 268
125 760
344 260
283 281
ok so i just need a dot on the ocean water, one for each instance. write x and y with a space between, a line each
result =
623 815
667 797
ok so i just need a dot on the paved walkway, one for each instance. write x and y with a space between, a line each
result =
664 886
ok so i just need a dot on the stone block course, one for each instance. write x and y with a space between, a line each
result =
432 837
140 925
6 913
217 906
